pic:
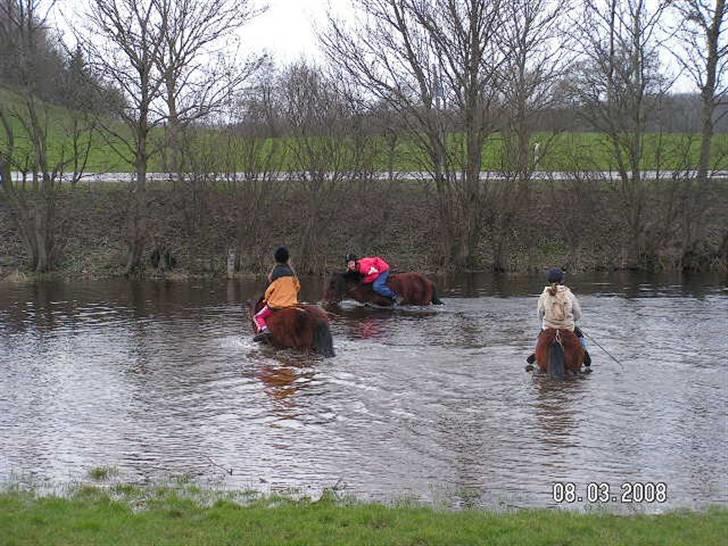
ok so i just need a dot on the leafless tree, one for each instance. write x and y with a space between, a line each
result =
536 57
703 54
619 85
536 51
28 118
320 153
435 64
125 41
198 78
166 57
250 164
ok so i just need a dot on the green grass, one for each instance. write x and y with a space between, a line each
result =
564 151
134 516
101 473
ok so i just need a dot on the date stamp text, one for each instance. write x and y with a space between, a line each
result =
603 492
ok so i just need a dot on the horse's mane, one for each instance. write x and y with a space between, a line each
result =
349 275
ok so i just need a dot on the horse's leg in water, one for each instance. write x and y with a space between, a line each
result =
582 340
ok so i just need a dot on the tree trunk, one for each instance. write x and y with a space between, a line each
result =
137 216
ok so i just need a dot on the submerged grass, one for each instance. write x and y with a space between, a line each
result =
132 515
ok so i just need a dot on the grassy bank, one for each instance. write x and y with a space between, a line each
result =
568 151
580 227
116 516
562 151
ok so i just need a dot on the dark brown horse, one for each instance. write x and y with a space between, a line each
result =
304 327
559 352
414 288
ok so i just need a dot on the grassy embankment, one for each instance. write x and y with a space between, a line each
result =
128 515
560 152
580 226
591 236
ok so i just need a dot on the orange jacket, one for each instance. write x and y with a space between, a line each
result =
283 292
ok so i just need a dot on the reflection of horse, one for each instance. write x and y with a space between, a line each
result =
303 327
414 288
559 352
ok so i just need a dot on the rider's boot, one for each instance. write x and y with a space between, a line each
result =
587 358
262 335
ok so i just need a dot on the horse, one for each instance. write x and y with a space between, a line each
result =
559 352
303 327
414 288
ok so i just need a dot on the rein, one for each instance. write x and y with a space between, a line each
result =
603 349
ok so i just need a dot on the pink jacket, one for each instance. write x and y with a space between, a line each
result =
371 268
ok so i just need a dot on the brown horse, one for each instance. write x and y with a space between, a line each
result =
303 327
559 352
414 288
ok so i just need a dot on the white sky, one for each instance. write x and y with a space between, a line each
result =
287 30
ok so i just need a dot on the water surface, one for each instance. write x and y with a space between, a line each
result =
162 379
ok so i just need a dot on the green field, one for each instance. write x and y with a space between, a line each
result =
128 515
559 152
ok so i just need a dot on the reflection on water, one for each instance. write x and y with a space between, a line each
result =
159 378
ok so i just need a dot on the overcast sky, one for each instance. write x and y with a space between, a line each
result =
287 30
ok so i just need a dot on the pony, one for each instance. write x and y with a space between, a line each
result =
303 327
414 288
559 352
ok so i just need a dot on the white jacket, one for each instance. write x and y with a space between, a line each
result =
560 311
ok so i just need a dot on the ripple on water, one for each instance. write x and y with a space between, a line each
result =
431 403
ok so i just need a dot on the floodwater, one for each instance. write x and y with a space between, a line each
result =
161 379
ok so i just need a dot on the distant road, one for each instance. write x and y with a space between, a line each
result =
402 175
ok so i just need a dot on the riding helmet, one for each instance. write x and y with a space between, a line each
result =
350 258
555 274
281 255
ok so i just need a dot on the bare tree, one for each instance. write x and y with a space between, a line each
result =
198 78
28 119
536 57
251 159
703 54
125 42
620 84
320 152
85 102
434 63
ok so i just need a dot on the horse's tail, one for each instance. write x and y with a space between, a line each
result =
435 299
323 343
557 364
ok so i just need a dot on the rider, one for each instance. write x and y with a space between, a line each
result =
375 272
558 308
282 291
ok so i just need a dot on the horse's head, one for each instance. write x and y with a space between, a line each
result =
334 289
337 286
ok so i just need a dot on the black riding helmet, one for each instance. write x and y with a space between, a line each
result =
555 274
351 258
281 255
